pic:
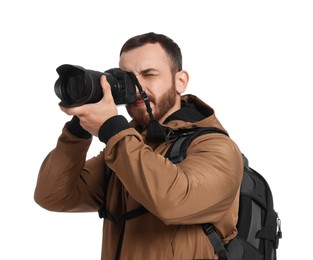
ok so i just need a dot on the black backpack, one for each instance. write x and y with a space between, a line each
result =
258 225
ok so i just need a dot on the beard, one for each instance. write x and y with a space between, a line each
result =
161 107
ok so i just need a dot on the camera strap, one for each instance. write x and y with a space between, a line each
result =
155 130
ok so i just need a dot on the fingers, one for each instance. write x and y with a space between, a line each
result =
71 111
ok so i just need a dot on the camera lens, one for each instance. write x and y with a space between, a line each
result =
75 88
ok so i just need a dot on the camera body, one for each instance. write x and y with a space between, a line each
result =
77 86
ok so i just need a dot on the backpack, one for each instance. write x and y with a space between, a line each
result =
259 227
258 224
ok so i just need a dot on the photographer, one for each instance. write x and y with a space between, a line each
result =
203 188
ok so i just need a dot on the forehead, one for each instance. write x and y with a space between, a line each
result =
147 56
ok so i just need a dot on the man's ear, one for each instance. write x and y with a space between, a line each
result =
181 81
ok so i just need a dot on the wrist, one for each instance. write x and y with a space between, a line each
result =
76 129
111 127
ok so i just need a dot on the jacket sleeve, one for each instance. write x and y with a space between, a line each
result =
66 182
200 189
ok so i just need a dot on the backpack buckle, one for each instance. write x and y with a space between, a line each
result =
102 213
208 228
279 233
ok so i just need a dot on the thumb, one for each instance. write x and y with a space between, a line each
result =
106 88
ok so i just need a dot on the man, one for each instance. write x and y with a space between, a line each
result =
203 188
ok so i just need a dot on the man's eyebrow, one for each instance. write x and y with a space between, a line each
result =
146 71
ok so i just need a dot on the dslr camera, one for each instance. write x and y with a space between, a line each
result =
77 86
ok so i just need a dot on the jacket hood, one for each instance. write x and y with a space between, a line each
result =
193 113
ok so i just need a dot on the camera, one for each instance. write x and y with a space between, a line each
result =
77 86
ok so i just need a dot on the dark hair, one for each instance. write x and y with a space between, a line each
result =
170 47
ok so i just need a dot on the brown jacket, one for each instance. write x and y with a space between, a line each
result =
203 188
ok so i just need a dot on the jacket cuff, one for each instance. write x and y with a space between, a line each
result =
75 128
111 127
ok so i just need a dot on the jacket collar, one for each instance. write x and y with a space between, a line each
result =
188 113
193 113
192 110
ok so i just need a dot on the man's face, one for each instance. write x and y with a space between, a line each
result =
151 66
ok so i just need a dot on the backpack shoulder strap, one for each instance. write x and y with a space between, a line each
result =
176 153
103 213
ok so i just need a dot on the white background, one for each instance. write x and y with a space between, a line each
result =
252 61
